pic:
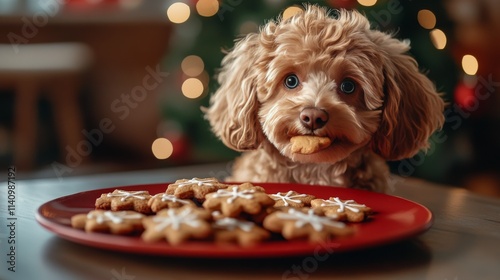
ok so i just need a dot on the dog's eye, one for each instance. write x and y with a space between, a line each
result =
347 86
335 14
291 81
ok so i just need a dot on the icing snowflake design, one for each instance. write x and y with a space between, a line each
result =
186 216
168 197
126 195
114 217
317 222
197 181
288 197
232 224
234 194
348 204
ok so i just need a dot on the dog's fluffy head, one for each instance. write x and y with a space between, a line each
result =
325 74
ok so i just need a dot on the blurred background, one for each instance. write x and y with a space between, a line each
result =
90 86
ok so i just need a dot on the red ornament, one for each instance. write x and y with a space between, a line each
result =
182 147
343 4
465 97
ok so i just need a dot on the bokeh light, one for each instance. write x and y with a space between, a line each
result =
192 65
248 27
178 12
470 64
367 3
204 78
291 11
438 39
207 8
426 19
162 148
192 88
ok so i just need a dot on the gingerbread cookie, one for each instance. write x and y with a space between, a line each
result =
292 199
238 199
344 209
124 200
244 233
307 144
194 188
115 222
305 223
164 200
177 225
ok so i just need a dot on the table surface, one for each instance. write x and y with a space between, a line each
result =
463 243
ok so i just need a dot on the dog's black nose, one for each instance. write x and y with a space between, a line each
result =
313 118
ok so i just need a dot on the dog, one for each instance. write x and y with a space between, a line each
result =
322 73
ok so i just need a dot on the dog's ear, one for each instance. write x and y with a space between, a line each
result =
412 110
233 111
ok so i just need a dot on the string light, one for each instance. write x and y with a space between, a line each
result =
178 12
192 88
162 148
426 19
470 64
207 8
438 38
192 65
291 11
367 3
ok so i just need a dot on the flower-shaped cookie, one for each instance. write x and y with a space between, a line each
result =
115 222
163 200
292 199
124 200
305 223
177 225
196 188
237 199
244 233
348 210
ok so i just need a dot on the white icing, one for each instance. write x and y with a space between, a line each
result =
114 217
348 204
232 224
172 198
317 222
126 195
186 216
234 194
216 213
197 181
288 197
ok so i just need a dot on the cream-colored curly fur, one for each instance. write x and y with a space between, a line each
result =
390 115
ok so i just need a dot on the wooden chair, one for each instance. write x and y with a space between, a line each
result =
56 69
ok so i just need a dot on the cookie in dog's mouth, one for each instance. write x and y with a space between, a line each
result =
309 144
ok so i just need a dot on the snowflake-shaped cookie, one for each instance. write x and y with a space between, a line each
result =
244 233
348 210
177 225
163 200
116 222
305 223
237 199
196 188
292 199
119 200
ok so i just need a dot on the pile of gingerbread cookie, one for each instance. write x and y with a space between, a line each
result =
206 209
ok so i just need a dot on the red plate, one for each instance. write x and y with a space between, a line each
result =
395 219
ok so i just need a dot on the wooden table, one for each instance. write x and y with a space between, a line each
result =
463 243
